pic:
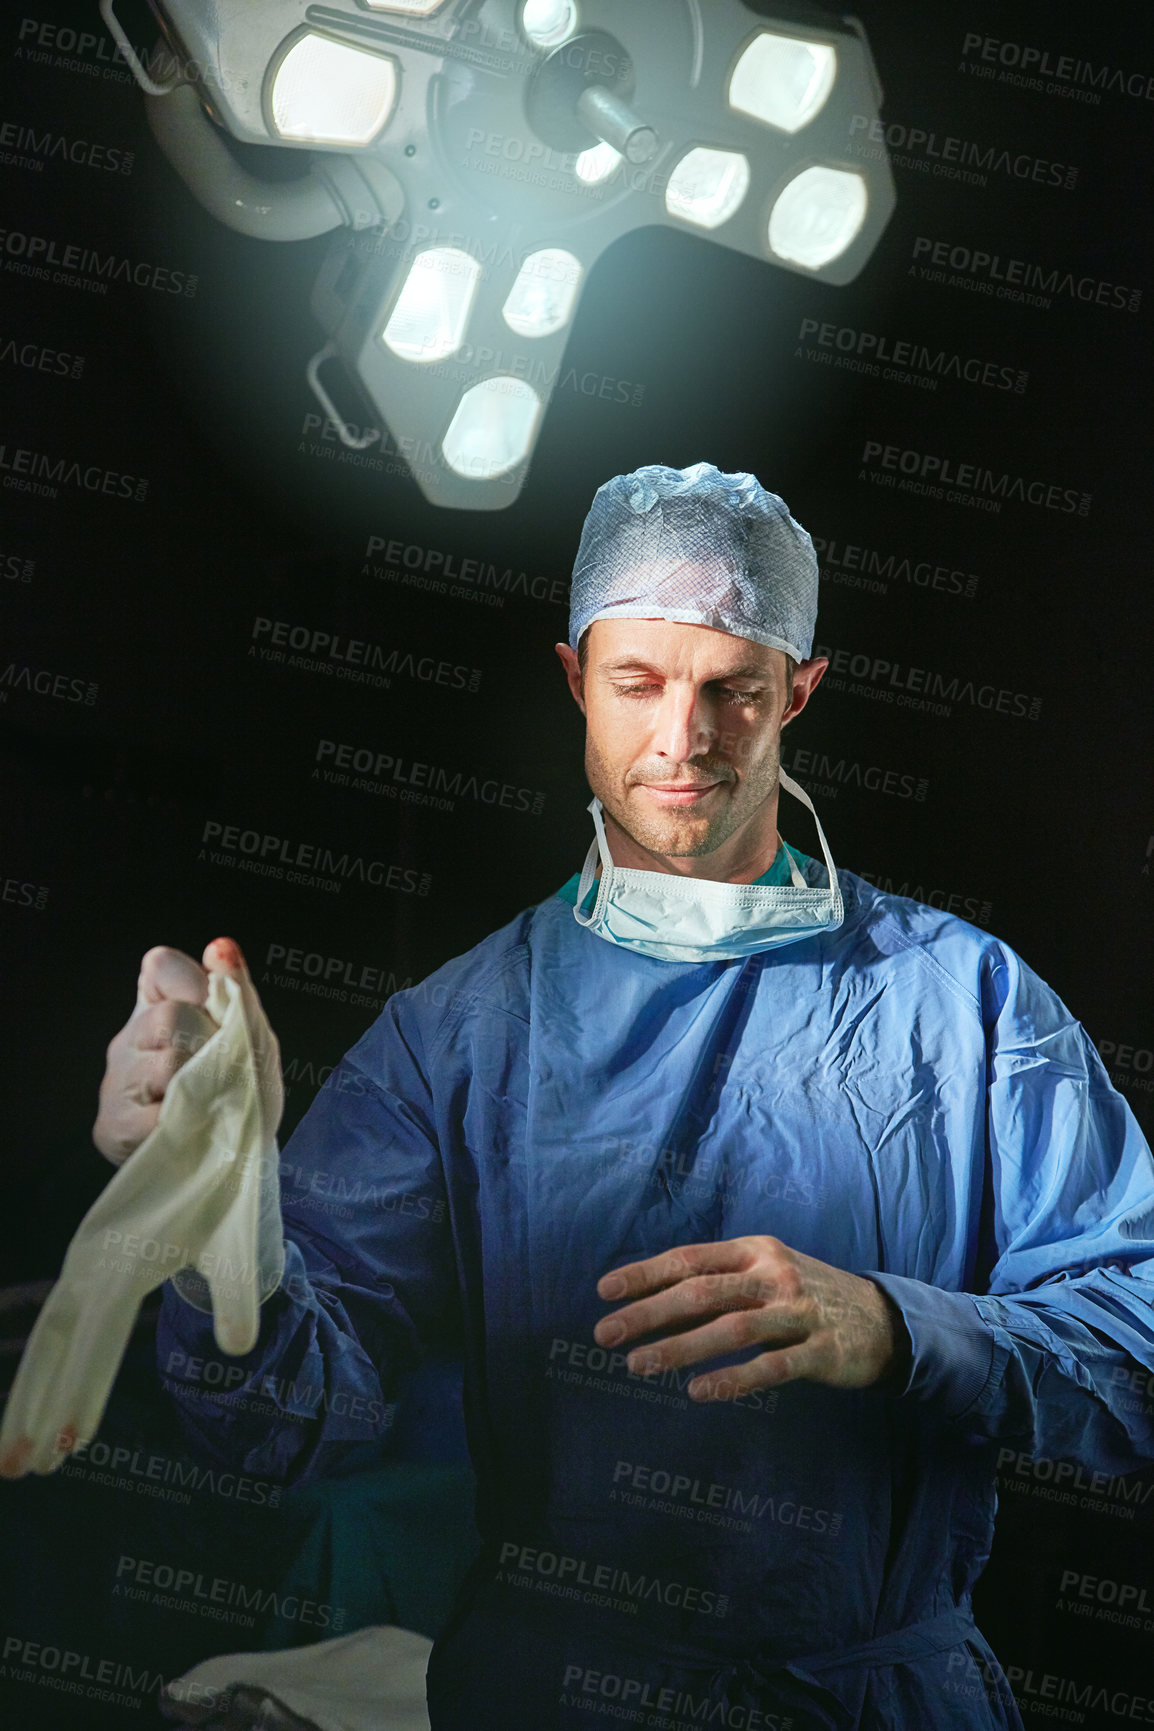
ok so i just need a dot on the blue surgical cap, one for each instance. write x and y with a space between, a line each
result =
700 547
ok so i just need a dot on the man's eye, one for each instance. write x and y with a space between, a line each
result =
636 690
732 696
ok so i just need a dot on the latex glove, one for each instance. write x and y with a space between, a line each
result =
199 1194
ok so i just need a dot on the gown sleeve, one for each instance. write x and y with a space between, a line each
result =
369 1280
1049 1350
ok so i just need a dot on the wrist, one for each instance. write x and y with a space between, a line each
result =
895 1374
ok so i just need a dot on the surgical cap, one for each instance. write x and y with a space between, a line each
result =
700 547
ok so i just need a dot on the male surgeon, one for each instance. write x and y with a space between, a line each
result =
762 1208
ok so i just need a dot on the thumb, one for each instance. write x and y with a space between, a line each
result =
224 956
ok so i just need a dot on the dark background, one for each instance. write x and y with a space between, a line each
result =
1038 825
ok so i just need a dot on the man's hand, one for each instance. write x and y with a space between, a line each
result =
711 1300
167 1026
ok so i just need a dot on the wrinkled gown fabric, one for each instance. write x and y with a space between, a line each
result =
901 1097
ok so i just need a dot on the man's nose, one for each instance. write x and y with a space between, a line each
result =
683 727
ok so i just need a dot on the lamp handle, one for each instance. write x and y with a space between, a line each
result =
135 65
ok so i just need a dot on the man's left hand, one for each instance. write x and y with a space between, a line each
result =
710 1300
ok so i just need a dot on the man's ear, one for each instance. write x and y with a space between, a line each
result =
572 673
805 682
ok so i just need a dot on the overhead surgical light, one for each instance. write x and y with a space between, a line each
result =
707 186
597 163
542 299
548 22
428 320
493 427
783 80
409 8
474 159
818 216
327 92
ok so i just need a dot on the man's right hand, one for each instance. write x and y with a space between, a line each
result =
167 1026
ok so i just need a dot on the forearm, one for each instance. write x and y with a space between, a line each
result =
317 1383
1049 1370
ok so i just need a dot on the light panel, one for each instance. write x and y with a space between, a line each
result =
326 92
707 186
410 8
429 316
492 429
783 80
547 23
541 300
817 215
597 163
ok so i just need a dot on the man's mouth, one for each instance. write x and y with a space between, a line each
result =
678 792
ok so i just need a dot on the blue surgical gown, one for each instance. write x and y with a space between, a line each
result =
901 1097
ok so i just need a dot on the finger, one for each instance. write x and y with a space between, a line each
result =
146 1080
169 973
224 955
636 1278
725 1334
806 1359
171 1023
679 1306
118 1137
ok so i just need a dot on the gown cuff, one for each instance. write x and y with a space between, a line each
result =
952 1349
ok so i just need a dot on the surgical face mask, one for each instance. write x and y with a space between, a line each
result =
681 919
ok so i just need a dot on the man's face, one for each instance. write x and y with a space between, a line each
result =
684 729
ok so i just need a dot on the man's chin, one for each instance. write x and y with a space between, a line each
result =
675 837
